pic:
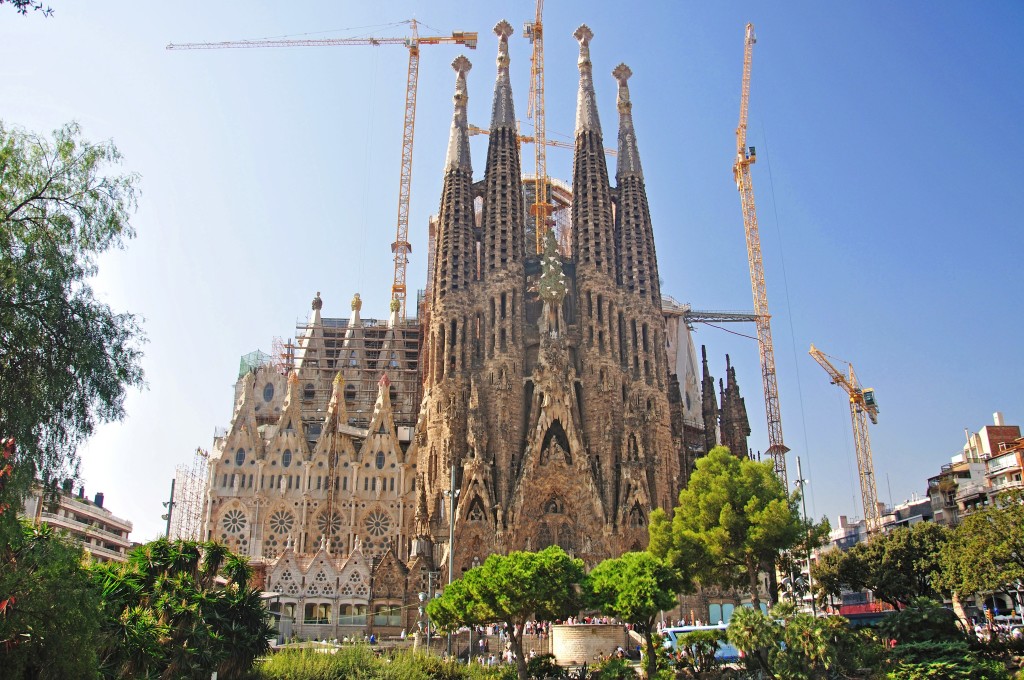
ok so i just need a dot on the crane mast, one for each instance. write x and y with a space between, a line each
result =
863 407
741 173
541 209
401 247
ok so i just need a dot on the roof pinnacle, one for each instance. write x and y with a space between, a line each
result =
458 143
586 105
629 155
502 111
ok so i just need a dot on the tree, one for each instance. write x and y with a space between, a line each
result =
985 553
897 566
66 359
49 613
167 616
23 6
736 512
512 588
635 588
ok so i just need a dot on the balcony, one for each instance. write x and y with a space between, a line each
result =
84 528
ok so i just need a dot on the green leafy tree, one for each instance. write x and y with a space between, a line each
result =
896 566
49 618
167 615
512 588
23 6
66 359
985 552
736 513
635 588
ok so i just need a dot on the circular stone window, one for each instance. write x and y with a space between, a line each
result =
281 522
234 521
268 392
377 523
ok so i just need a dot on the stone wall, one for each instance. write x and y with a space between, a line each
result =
579 644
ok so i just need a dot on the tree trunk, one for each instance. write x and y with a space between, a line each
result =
773 583
516 642
651 662
755 599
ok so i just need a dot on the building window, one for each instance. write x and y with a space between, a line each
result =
350 394
317 612
268 392
352 615
286 458
239 456
380 460
308 392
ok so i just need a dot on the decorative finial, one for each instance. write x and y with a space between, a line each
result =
357 303
293 378
586 106
384 381
502 110
338 379
622 74
395 305
317 302
458 142
461 65
629 155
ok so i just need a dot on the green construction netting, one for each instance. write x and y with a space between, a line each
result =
252 361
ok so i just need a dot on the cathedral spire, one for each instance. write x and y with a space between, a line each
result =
734 422
458 142
637 263
709 404
502 220
629 157
594 241
455 258
502 112
586 104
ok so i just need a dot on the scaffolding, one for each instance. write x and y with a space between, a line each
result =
252 361
189 490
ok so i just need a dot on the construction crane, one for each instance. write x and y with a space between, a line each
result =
862 407
741 173
541 208
401 247
527 139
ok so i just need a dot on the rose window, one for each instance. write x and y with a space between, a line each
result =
329 524
377 523
281 522
234 521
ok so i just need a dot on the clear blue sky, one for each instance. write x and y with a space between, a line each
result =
888 184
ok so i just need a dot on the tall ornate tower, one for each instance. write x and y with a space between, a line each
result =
548 381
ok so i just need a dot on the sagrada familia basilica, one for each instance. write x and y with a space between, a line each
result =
555 393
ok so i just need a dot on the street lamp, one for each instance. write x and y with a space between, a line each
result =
169 504
801 482
424 598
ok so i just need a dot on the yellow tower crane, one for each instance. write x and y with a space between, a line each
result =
862 407
541 208
741 173
401 247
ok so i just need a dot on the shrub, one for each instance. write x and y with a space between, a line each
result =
700 647
922 621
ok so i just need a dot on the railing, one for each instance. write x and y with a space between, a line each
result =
83 527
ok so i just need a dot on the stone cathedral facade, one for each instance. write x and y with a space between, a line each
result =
557 389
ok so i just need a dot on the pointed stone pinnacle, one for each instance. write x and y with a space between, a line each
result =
586 106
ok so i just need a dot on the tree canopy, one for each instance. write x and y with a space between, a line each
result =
66 358
512 588
635 588
733 519
49 607
167 614
985 552
897 566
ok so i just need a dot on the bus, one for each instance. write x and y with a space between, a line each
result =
726 653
